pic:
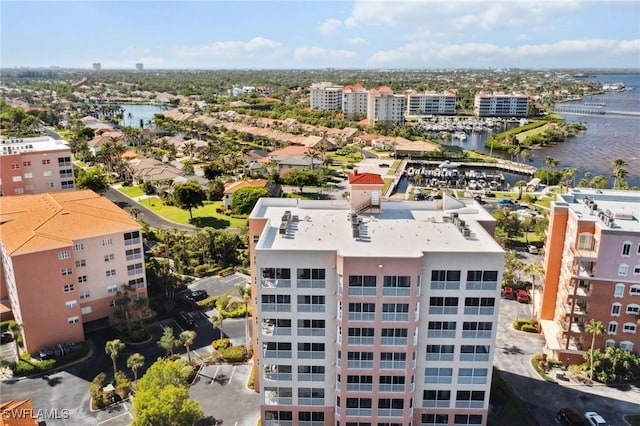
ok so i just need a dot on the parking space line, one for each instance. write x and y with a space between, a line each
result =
215 375
119 415
232 371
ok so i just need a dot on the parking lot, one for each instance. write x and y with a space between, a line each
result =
215 286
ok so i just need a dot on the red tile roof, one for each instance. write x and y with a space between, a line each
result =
365 178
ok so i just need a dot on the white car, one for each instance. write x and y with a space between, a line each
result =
595 419
532 249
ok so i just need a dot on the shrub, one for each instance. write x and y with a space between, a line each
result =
529 328
95 390
234 354
251 384
221 344
122 383
27 366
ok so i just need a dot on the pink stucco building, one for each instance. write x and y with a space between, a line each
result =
65 256
373 312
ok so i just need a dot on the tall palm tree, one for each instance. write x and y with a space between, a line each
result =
552 162
245 293
596 328
113 348
135 362
312 154
16 329
186 338
218 321
534 269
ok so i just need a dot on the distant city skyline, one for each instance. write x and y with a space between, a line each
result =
300 34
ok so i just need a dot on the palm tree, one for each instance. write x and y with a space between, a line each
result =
245 293
534 269
135 362
552 162
520 184
218 321
113 348
596 328
186 338
135 212
16 329
312 154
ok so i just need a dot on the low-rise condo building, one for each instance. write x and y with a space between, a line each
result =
373 311
65 258
430 103
592 271
501 105
34 165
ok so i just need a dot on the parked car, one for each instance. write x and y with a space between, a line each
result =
522 296
185 320
595 419
505 202
507 293
195 295
57 351
532 249
569 417
6 338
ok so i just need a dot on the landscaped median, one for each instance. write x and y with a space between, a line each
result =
28 366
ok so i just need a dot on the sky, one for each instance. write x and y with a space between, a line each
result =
301 34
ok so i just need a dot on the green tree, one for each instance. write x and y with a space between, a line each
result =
301 178
162 396
520 185
596 328
215 190
599 182
189 195
135 211
168 340
245 199
552 163
113 348
16 328
94 179
186 338
135 362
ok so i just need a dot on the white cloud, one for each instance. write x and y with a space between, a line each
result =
316 54
230 49
356 41
330 26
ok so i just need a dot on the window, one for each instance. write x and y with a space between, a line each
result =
626 345
18 191
311 373
393 360
137 283
619 290
308 327
64 161
311 304
112 303
48 173
278 415
622 270
469 399
585 241
26 163
67 184
438 375
109 257
629 327
634 290
310 396
633 309
46 161
28 175
112 288
359 407
439 353
310 418
390 407
636 270
311 350
613 327
131 238
66 173
360 336
474 352
362 311
86 310
395 312
134 254
394 337
66 271
82 279
467 419
482 280
256 238
441 329
360 360
276 277
360 383
391 383
434 420
479 305
107 242
436 398
445 280
609 343
362 285
135 269
276 349
110 273
81 263
276 303
626 249
15 166
84 295
397 285
476 330
73 320
443 305
311 278
78 247
615 309
472 376
69 288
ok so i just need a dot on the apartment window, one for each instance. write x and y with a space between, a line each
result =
73 320
48 173
612 328
360 360
633 309
622 270
634 290
66 173
68 288
636 270
445 329
311 373
474 352
276 303
360 336
445 280
65 254
362 311
107 242
311 278
397 285
443 305
467 419
469 399
82 279
359 407
476 330
18 191
64 161
28 175
390 407
276 349
615 309
482 280
439 353
112 303
395 312
84 295
626 345
310 396
311 327
134 254
311 303
476 376
81 263
479 305
135 269
391 383
310 418
46 161
26 163
272 417
86 310
256 238
394 337
360 285
434 420
619 290
609 343
137 283
626 249
131 238
436 398
112 288
15 166
66 271
111 273
585 241
360 383
629 327
438 375
78 247
276 277
109 257
310 350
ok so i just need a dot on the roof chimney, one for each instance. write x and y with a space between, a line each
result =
355 172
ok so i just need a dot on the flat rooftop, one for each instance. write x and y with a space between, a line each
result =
13 146
611 209
398 229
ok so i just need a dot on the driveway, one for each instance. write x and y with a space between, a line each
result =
216 286
514 351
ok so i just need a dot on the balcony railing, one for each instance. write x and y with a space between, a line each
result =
310 401
270 330
478 310
396 291
278 376
311 308
391 388
275 283
360 340
435 404
390 412
276 307
359 412
585 253
445 285
394 341
362 316
393 365
360 387
311 283
481 285
318 332
308 377
395 316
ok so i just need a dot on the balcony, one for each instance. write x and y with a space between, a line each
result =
275 283
584 253
275 307
272 330
277 354
578 308
274 398
394 341
362 316
584 269
390 412
311 283
278 376
311 308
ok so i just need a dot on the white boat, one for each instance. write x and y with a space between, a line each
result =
462 136
449 165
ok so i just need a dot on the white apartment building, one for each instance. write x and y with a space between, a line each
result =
385 106
355 100
501 105
371 312
325 96
35 165
431 103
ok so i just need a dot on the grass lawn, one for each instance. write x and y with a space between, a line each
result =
522 136
202 216
633 420
132 191
507 409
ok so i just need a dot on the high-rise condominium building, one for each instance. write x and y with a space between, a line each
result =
385 106
431 103
96 66
501 105
65 257
325 96
354 101
34 165
373 312
592 271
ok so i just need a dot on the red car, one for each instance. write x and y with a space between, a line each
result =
522 296
507 293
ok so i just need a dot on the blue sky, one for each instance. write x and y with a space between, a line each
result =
320 34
